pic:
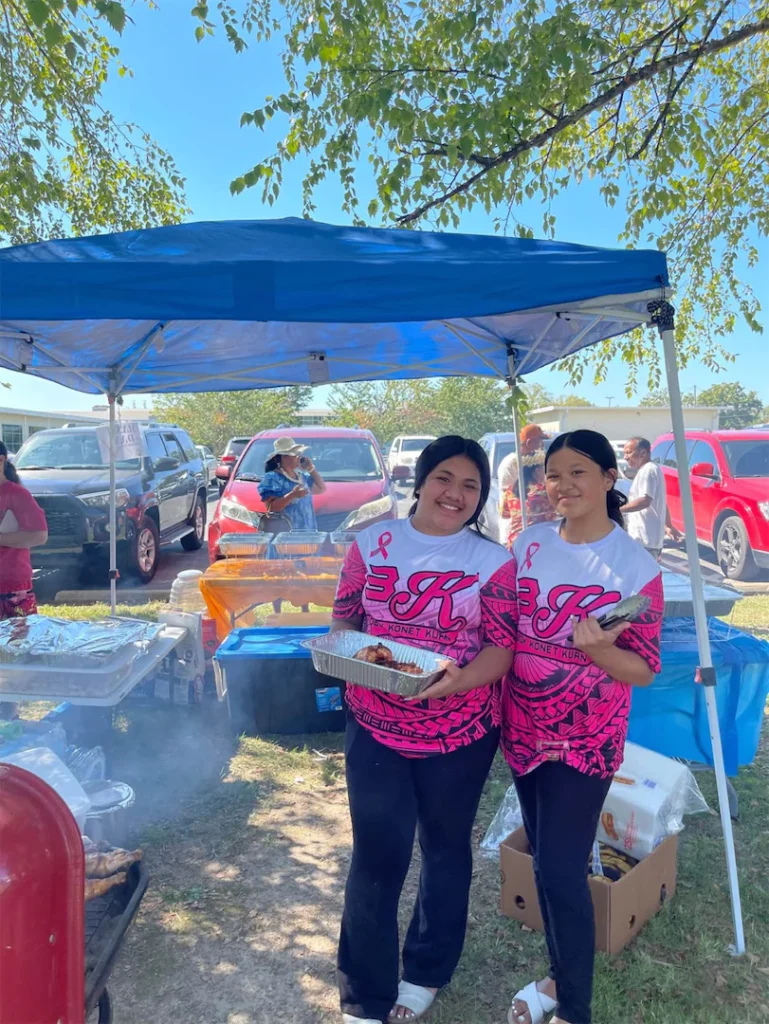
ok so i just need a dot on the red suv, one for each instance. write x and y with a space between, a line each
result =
358 488
730 483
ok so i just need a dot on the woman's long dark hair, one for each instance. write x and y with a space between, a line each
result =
448 447
9 469
272 464
598 449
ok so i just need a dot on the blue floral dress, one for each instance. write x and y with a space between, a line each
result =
300 513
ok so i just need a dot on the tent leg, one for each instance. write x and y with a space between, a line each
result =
518 458
112 509
665 323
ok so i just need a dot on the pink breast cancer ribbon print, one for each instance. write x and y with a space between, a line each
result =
531 551
385 540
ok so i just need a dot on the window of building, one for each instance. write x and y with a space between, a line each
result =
13 436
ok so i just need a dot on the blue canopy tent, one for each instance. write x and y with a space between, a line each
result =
253 304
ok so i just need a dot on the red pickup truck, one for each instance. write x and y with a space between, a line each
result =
730 483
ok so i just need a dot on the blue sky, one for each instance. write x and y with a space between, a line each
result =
190 97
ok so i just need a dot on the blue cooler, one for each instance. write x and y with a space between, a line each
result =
272 686
670 716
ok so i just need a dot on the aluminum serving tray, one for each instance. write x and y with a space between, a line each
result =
245 545
334 655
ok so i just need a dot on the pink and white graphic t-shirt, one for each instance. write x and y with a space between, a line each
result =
453 595
557 704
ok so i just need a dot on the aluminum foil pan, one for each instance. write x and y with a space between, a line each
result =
245 545
300 543
334 655
341 541
60 643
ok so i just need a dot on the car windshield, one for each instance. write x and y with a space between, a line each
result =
415 444
337 459
75 450
748 458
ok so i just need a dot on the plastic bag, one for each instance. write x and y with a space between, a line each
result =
507 819
647 802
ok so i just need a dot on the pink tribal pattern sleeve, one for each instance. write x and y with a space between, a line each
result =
643 637
499 607
348 603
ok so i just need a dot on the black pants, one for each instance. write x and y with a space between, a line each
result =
390 795
560 808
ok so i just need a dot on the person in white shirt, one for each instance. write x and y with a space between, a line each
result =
646 510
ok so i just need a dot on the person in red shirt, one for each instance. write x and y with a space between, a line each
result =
22 526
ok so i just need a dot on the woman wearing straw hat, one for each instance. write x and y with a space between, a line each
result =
289 482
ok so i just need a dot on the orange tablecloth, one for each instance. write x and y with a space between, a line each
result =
235 587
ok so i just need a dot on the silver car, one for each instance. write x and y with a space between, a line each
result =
497 447
210 463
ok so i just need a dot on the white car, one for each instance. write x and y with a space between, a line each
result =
404 453
210 462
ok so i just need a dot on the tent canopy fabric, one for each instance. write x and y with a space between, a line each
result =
248 304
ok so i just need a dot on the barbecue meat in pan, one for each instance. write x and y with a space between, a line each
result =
378 654
102 865
99 886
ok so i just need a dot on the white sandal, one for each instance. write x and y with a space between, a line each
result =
539 1004
347 1018
414 998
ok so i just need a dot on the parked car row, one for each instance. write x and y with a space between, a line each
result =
162 496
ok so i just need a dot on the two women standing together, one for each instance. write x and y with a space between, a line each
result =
559 706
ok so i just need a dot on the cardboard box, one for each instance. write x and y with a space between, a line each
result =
621 908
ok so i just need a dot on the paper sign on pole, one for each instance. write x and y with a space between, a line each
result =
129 441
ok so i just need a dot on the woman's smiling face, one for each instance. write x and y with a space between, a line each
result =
576 486
449 496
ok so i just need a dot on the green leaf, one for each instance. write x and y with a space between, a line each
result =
71 51
200 33
53 33
38 11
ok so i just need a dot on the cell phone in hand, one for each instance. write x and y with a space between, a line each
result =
626 611
304 462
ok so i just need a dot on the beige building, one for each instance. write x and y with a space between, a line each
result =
16 425
618 422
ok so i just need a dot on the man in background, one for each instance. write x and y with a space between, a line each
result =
533 440
646 510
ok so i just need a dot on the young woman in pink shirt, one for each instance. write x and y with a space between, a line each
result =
567 698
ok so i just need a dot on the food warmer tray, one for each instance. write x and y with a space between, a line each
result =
334 655
107 919
102 687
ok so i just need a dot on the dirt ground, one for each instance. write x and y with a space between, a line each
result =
247 846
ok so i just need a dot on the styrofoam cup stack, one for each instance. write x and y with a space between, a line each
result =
185 592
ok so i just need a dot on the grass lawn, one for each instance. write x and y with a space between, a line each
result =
247 842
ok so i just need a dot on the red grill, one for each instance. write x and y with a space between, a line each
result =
56 951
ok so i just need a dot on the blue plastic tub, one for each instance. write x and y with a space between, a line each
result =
670 716
272 685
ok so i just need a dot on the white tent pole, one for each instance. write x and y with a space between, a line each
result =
664 316
514 379
519 460
112 508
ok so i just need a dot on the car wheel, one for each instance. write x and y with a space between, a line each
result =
194 541
735 555
146 550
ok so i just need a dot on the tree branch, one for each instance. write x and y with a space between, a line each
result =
644 74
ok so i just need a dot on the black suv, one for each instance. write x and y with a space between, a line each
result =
161 497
